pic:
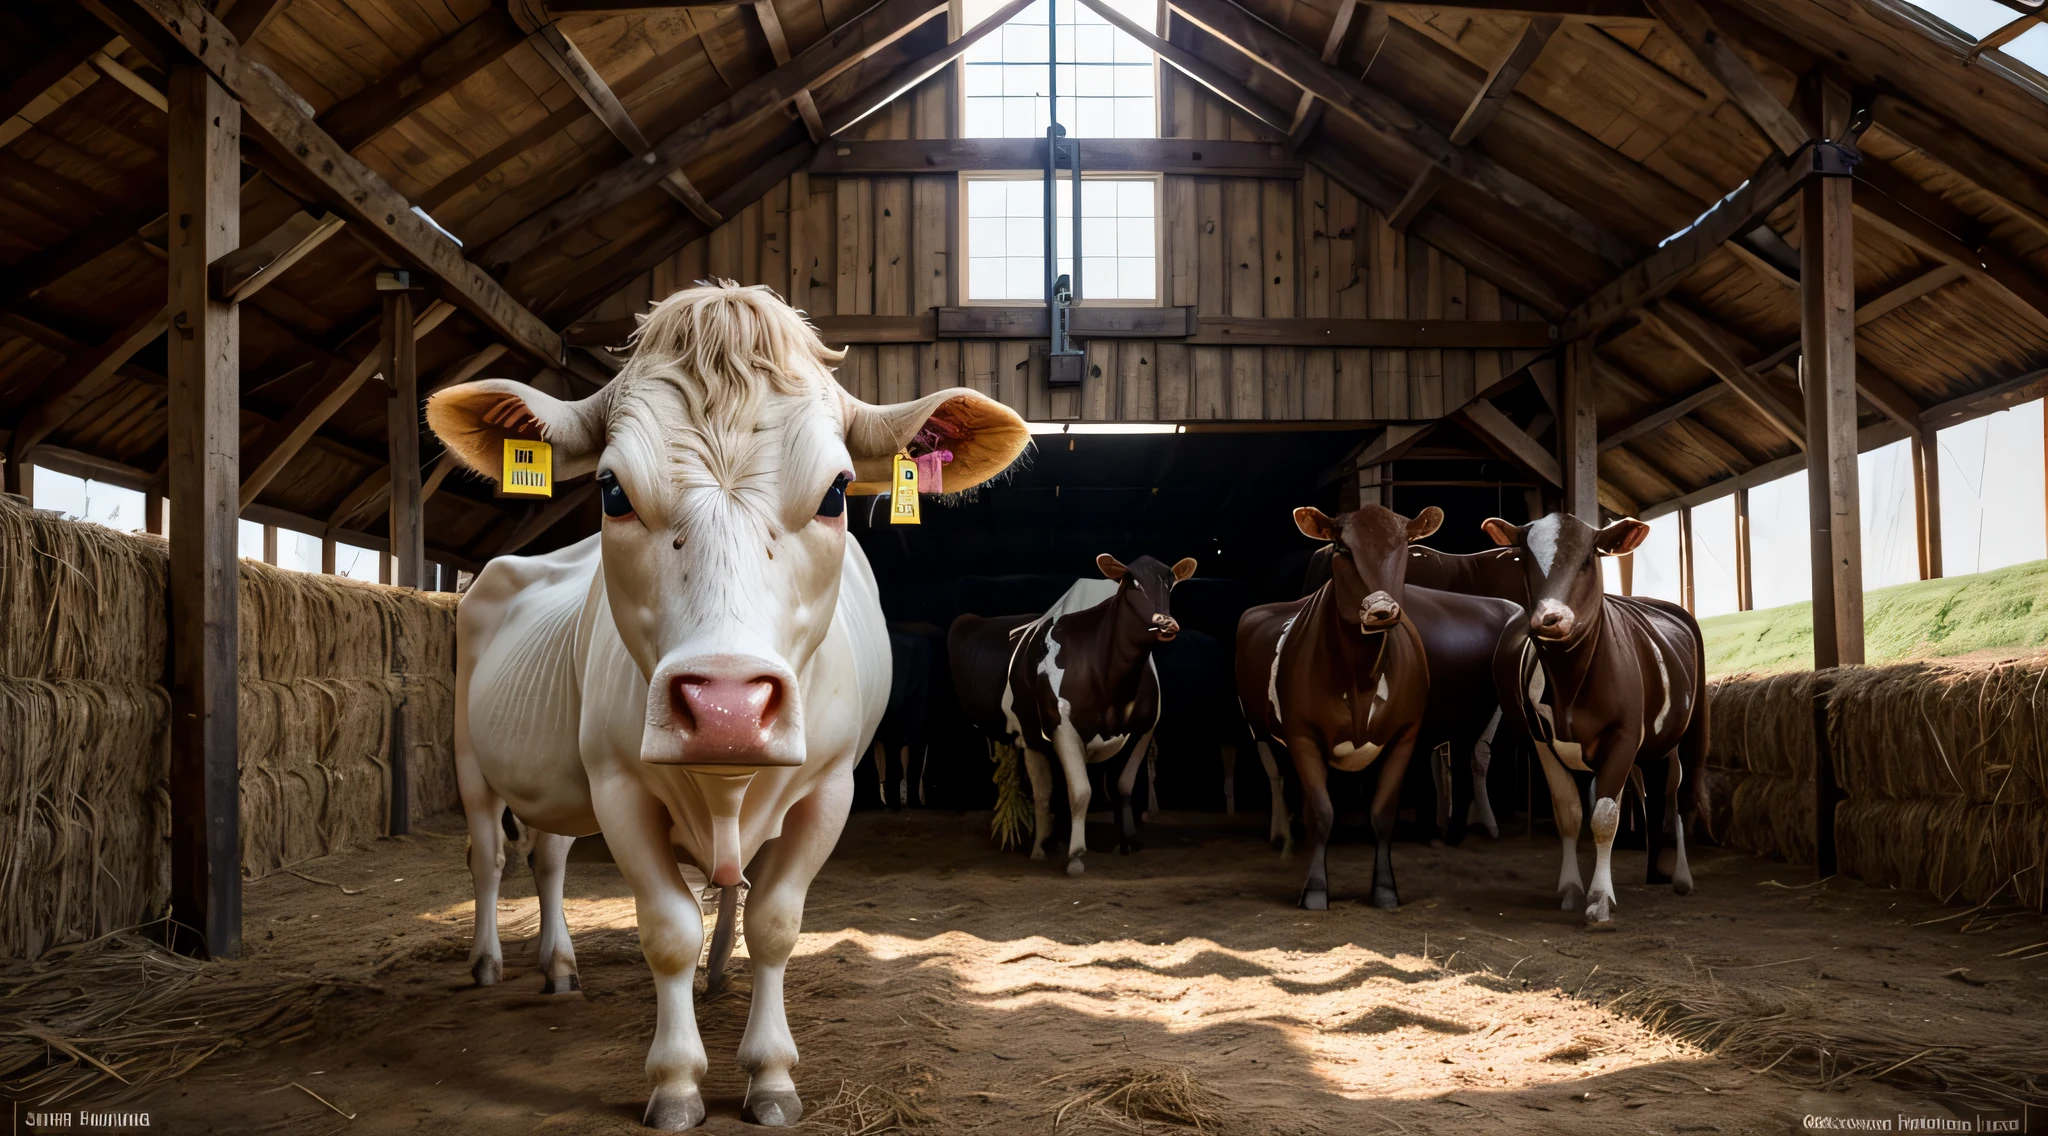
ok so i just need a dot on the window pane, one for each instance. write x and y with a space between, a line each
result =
249 540
985 235
1095 82
1134 237
1026 278
1140 278
1135 82
356 562
1134 198
1098 234
985 277
1976 18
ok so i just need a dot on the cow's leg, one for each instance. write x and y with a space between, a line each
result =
1318 816
550 858
1228 753
783 871
1386 801
636 827
1280 830
1151 783
1126 782
1655 775
1481 812
1681 872
1066 742
880 753
1041 800
1564 804
484 810
1606 821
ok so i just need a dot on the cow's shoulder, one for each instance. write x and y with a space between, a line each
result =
531 596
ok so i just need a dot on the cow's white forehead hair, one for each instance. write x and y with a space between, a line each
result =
718 373
1542 539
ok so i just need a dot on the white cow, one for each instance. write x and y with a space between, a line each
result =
702 675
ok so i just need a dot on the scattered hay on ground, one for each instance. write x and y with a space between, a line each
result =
871 1110
1131 1096
1786 1031
115 1014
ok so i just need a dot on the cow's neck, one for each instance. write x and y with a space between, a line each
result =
1359 655
1567 662
1111 633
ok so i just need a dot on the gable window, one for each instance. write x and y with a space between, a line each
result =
1119 238
1106 83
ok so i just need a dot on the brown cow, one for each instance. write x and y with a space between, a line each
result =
1078 682
1343 677
1602 683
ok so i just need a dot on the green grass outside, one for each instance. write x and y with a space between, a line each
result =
2002 609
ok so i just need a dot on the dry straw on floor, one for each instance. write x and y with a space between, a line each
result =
117 1013
1137 1098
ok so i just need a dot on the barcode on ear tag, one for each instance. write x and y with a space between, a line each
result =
529 469
903 492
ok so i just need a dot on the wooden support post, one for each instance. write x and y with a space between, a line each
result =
1827 292
153 512
205 418
1685 559
270 544
1578 435
401 373
327 554
1745 557
1626 568
1927 501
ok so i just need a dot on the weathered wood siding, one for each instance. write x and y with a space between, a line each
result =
1230 246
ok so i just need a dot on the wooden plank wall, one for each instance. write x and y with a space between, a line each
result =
1231 246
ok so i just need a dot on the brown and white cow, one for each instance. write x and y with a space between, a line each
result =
704 673
1602 683
1348 676
1078 682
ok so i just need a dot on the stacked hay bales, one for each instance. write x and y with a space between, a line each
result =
336 675
332 673
84 815
1944 771
1942 768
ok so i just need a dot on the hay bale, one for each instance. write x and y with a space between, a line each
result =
79 601
1759 767
84 811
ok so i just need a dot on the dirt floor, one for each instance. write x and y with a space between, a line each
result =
939 978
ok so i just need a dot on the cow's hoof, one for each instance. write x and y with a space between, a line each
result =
1491 830
1574 898
1682 885
1315 900
1600 914
486 971
776 1108
1075 867
1037 853
1386 899
673 1110
567 984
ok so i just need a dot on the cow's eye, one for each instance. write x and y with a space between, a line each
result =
613 495
834 504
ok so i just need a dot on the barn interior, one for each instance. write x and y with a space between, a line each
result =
1609 258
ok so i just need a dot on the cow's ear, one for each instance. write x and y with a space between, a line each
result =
1622 537
1184 569
1425 523
1315 524
983 435
1503 533
1112 568
474 419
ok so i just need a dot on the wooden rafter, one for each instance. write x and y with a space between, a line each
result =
905 73
1219 81
289 132
1612 12
1500 82
2021 188
1383 114
1690 23
1719 352
1907 212
778 46
85 375
1501 434
569 62
1926 284
419 80
50 68
1665 415
841 48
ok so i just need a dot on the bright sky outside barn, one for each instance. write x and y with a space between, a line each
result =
1074 565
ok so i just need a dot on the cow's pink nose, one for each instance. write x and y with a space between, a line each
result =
727 714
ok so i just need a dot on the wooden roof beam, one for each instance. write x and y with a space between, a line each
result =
1501 434
83 376
778 46
2020 187
905 74
840 49
1383 114
1690 23
283 439
1898 206
569 62
1719 351
1611 12
419 80
1222 83
287 127
53 63
1500 82
1665 415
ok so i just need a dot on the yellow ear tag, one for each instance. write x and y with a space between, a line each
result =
529 469
903 492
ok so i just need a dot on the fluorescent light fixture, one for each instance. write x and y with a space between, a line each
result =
429 219
1105 428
